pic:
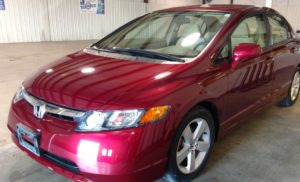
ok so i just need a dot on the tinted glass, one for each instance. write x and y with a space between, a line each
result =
251 30
224 54
181 34
278 29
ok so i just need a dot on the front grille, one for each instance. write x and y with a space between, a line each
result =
61 117
54 110
64 163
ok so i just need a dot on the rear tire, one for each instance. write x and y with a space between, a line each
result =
191 146
293 91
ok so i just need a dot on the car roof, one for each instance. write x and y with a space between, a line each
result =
217 7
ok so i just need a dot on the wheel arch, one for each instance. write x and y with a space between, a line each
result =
213 109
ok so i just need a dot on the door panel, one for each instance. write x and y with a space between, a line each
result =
257 74
284 56
250 84
249 88
284 70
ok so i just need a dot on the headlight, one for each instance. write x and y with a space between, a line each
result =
111 120
19 94
93 121
121 119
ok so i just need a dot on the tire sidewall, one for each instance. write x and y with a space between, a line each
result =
173 172
292 102
287 101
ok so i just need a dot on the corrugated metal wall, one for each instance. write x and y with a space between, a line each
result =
161 4
290 9
246 2
67 23
220 2
59 20
251 2
24 21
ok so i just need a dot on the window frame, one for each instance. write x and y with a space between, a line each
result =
187 59
219 61
286 25
228 40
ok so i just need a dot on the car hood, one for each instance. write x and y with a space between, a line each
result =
86 81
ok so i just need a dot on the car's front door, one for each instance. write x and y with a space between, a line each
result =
284 53
249 84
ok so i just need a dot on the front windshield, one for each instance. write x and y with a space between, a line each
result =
179 34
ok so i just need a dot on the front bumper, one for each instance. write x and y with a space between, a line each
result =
136 154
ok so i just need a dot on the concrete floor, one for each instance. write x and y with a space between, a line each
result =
267 148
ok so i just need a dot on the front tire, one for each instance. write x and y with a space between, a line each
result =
191 146
293 91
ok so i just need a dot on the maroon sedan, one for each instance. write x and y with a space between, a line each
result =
151 98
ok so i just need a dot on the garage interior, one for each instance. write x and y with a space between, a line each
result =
34 33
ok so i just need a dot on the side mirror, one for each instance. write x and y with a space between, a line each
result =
245 51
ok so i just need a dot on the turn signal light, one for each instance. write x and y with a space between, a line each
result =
154 114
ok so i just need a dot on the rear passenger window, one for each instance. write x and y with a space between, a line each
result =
279 29
250 30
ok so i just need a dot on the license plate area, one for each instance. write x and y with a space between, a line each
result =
28 138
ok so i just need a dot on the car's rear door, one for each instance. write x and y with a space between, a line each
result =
284 50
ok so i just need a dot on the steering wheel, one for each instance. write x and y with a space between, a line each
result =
203 42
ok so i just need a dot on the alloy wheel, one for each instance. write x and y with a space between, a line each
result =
193 146
295 86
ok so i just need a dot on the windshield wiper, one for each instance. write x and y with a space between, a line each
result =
94 48
139 52
149 54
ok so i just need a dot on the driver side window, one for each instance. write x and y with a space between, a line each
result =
250 30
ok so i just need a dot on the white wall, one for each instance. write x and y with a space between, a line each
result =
290 9
162 4
24 21
220 2
251 2
60 20
67 23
